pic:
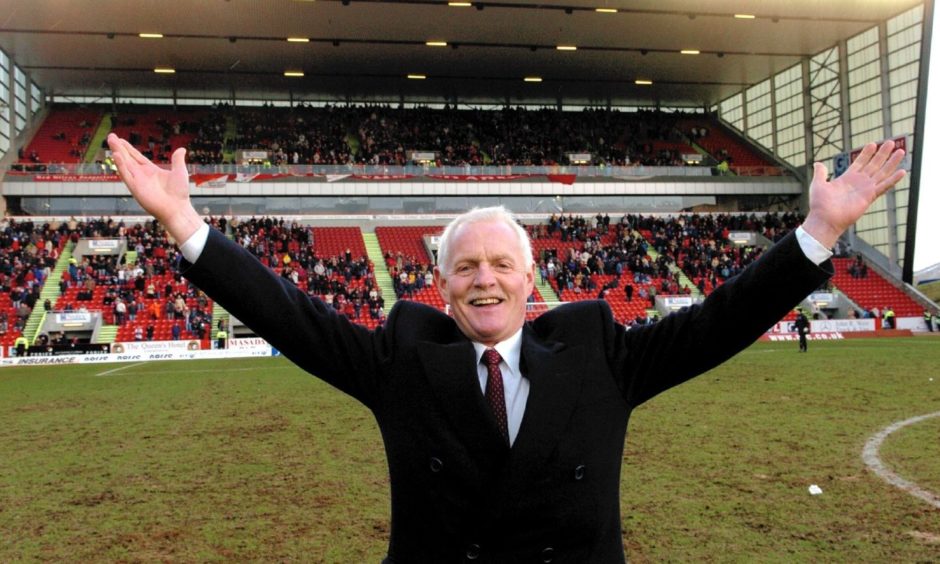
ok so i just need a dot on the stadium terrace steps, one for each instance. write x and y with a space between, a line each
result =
228 140
382 278
543 288
684 280
50 291
97 140
106 334
219 314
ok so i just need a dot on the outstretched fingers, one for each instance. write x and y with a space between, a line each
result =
872 158
121 158
878 160
862 160
890 181
133 154
124 171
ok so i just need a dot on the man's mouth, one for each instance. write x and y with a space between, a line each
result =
480 302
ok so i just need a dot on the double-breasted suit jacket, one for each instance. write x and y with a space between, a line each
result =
458 491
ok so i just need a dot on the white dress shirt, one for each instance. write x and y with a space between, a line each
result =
515 386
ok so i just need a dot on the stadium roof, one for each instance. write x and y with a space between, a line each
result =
364 49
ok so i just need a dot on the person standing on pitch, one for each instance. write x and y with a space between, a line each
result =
505 438
802 328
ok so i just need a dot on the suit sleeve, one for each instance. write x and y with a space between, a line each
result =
652 359
305 330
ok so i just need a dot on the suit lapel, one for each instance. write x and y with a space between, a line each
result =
555 377
451 373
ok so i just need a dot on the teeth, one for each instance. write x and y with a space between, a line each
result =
485 301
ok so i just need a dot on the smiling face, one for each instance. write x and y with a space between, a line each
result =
486 281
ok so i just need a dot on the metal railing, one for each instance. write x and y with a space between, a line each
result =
96 169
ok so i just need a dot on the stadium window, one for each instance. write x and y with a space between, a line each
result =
904 93
902 126
906 20
903 55
36 98
904 76
863 39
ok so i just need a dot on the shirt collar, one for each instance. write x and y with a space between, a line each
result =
510 349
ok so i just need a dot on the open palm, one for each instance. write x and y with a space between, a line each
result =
837 204
163 193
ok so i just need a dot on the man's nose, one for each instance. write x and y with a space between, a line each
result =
484 275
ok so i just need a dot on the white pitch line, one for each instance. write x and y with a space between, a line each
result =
113 370
871 459
181 371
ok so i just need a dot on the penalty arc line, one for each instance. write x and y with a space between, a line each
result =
871 459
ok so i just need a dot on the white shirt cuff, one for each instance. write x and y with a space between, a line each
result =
813 249
193 246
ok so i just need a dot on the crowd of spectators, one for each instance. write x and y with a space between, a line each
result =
141 293
345 282
699 243
28 252
409 274
382 134
606 257
203 132
619 253
297 136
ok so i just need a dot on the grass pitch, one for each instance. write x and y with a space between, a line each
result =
250 459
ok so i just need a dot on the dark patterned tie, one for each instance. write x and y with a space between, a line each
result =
494 390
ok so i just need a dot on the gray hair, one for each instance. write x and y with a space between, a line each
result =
480 215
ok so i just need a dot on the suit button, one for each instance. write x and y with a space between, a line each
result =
579 472
473 552
548 554
436 464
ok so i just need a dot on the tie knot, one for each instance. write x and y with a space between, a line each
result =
491 357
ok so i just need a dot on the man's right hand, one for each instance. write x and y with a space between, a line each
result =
163 193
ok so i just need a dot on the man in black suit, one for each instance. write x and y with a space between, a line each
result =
802 328
505 438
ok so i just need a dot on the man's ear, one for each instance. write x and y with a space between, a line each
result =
441 283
